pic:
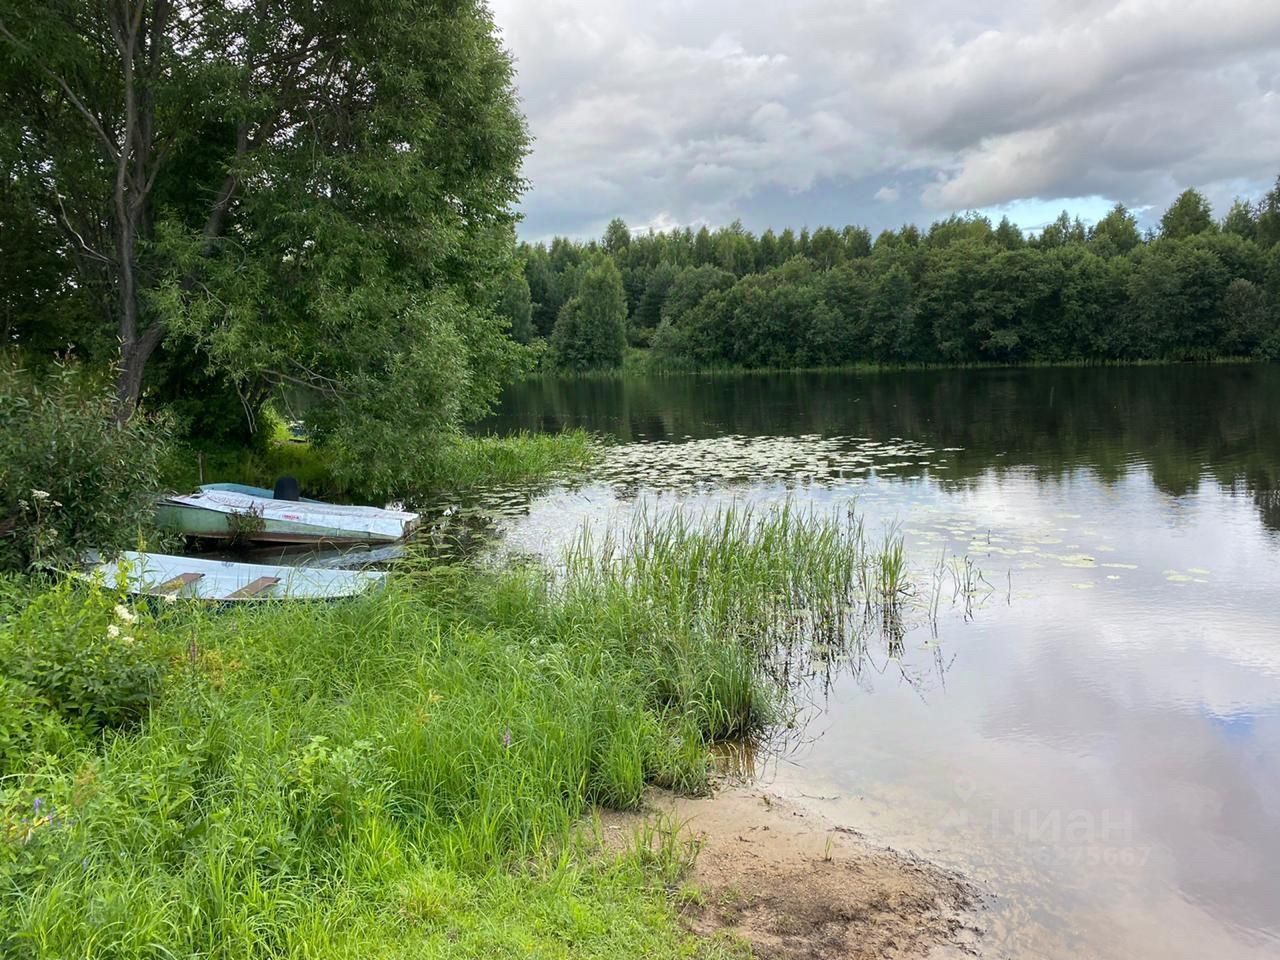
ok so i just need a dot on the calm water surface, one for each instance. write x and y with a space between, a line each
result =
1096 742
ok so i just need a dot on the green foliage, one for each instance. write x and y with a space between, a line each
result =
475 462
405 774
1268 215
1241 220
963 292
516 305
1189 215
86 654
590 333
72 479
462 464
617 236
316 197
28 727
1116 233
656 290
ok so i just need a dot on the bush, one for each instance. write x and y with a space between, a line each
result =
85 653
27 726
71 478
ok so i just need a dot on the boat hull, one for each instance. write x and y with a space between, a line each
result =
157 575
198 523
241 514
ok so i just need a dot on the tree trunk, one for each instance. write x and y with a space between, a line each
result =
133 363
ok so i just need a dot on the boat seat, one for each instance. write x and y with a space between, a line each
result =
180 582
253 589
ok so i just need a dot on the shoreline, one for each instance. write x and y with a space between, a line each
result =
777 875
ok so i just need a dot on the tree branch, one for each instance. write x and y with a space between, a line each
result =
112 152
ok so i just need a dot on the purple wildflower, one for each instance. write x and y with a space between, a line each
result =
37 805
506 738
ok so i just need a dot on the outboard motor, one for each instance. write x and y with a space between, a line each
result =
287 489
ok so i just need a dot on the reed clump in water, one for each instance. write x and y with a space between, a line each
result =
721 608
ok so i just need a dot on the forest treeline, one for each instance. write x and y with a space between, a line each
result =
963 291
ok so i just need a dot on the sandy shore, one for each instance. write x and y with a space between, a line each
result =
794 885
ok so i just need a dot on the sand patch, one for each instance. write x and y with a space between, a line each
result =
793 885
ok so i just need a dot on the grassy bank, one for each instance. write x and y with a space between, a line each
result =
463 464
400 775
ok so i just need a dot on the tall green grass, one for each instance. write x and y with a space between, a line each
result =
402 774
463 464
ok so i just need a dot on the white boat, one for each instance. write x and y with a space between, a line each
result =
161 575
225 511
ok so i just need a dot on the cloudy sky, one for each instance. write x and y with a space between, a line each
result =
675 112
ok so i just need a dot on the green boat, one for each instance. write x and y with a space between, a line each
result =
227 511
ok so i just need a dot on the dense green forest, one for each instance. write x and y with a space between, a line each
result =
962 291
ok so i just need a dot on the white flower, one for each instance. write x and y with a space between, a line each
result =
113 631
124 614
39 495
127 641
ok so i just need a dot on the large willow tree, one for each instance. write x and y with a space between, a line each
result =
300 193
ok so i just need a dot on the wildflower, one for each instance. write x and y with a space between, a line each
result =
124 614
39 494
113 631
127 641
506 738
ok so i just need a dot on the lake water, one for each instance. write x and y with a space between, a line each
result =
1097 741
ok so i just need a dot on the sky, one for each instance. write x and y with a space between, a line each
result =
670 113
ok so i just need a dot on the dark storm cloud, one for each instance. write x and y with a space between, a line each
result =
671 112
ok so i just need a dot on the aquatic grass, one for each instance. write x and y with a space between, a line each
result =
404 773
462 464
724 607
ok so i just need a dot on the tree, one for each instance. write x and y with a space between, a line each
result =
1244 315
1061 232
1116 233
691 286
516 305
1268 230
1189 215
617 236
767 250
1241 220
857 242
704 248
1008 235
591 331
825 248
649 313
317 195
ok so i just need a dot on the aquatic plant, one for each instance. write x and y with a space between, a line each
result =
405 773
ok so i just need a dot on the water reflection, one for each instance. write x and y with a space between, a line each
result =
1096 742
1183 424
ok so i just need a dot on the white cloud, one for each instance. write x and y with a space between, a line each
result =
707 111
